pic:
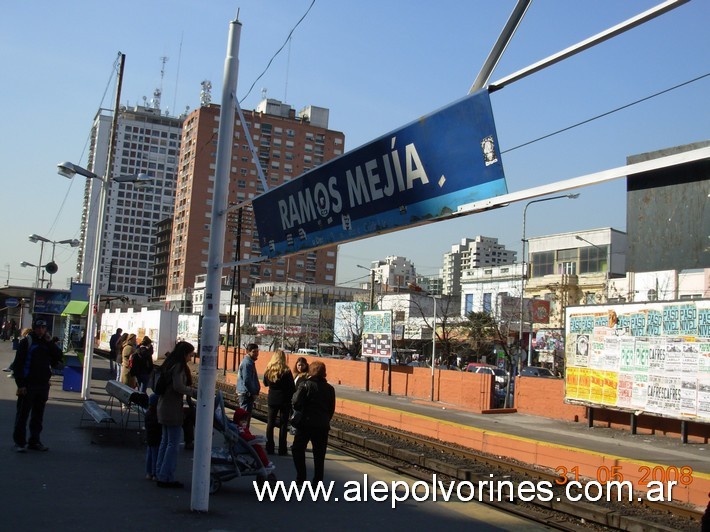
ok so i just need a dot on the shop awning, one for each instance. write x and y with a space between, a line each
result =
76 308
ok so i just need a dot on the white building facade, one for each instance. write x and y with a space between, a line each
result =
469 254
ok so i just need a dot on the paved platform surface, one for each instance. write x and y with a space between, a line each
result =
94 480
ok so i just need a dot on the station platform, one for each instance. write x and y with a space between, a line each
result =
88 479
93 479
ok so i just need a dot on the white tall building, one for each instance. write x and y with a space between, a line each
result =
146 142
392 274
472 253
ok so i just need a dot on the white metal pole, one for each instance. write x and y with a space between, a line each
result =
209 341
433 349
40 281
522 283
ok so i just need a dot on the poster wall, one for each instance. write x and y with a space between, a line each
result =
377 333
652 358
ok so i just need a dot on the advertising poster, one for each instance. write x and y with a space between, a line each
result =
625 390
377 333
627 359
638 394
610 385
642 357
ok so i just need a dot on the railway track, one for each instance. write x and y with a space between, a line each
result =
420 458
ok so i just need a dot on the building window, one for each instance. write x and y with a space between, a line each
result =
468 303
543 263
593 259
487 302
567 268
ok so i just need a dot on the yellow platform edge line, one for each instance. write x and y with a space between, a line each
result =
697 474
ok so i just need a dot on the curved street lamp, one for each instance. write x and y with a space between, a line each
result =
26 264
51 267
69 170
523 273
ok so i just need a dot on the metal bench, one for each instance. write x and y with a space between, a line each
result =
92 410
131 403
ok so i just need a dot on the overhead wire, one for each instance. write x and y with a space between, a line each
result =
606 113
113 73
290 33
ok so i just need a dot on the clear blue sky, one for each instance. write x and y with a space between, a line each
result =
377 65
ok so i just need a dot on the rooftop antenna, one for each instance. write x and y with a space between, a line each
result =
264 90
177 74
205 93
288 63
157 93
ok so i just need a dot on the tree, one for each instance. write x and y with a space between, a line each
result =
484 331
447 320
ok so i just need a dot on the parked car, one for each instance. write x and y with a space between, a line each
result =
535 371
307 352
501 376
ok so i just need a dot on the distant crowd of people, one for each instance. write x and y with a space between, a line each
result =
300 401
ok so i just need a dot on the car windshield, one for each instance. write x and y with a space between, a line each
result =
499 372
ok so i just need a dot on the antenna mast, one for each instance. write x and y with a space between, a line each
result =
157 93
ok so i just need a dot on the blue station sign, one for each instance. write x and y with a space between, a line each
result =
417 174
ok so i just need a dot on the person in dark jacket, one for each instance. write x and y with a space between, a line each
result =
279 379
315 399
112 350
248 386
143 375
153 437
36 355
170 411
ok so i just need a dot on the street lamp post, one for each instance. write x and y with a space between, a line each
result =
419 289
25 264
372 307
69 170
523 273
51 266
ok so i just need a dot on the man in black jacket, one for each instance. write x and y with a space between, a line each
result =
112 350
35 354
315 399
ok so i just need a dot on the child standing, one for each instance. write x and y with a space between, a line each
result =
153 435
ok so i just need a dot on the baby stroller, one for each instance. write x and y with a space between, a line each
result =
237 457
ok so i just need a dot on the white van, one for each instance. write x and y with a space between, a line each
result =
307 352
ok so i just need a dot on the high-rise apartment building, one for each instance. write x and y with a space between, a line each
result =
288 144
393 274
472 253
148 142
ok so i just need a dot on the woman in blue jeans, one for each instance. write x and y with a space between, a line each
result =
170 411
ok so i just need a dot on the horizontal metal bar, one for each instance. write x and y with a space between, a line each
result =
588 43
585 180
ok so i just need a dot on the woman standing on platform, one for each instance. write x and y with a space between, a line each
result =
315 399
300 370
118 355
170 411
128 347
279 380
